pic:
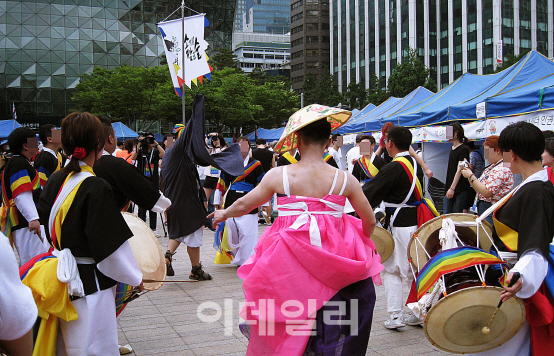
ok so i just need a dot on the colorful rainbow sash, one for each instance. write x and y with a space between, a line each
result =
222 185
368 167
449 261
327 157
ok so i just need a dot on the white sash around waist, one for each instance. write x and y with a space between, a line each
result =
304 215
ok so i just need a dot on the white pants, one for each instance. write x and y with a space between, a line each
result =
397 276
94 333
242 234
194 239
28 244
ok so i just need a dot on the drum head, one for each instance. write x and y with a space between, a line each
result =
147 251
428 235
455 324
384 243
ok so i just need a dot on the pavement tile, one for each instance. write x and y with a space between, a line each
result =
165 321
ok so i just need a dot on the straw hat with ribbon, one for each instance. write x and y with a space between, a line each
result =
305 116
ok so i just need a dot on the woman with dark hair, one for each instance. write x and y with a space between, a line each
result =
548 157
496 180
89 236
524 222
457 190
310 232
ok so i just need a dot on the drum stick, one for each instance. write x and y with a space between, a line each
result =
515 278
166 281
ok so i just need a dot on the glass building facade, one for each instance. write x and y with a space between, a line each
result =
45 45
266 16
451 37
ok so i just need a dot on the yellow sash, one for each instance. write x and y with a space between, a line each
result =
507 235
367 164
289 157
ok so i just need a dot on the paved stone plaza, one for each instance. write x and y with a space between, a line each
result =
165 322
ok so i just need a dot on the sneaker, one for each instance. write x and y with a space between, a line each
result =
197 273
394 322
168 259
412 320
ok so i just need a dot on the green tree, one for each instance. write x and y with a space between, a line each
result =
224 58
324 91
510 62
277 101
355 95
128 93
375 94
408 75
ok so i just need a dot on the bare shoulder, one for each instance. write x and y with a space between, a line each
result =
352 185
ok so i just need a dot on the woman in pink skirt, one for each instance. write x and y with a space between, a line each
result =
309 287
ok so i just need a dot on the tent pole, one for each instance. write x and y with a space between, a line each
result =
183 59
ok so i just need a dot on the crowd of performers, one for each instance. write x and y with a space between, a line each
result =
64 219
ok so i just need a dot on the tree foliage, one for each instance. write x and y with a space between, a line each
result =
224 58
355 95
324 91
128 93
408 75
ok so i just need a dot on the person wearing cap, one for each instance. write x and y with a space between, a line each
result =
311 231
524 223
395 186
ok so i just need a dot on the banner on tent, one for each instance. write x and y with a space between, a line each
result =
544 120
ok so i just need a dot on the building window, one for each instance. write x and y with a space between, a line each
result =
296 54
296 4
248 55
297 66
311 26
312 52
312 65
297 29
297 17
312 13
279 57
261 56
297 42
312 39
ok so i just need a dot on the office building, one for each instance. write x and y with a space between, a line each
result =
452 37
310 42
264 51
266 16
46 45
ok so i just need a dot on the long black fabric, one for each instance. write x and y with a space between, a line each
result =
181 181
229 160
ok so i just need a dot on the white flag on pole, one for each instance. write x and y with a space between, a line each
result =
14 113
196 62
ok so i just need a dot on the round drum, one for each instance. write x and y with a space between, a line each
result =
428 234
456 322
384 243
147 251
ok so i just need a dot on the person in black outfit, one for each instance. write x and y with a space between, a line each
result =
369 164
264 155
147 155
457 189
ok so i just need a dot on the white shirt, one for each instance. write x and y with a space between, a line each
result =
353 153
337 155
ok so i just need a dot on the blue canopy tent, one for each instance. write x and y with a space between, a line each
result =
458 100
269 135
6 128
357 113
122 132
358 122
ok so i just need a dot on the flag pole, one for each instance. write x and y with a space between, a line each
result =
183 58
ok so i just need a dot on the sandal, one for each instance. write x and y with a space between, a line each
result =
198 274
168 260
